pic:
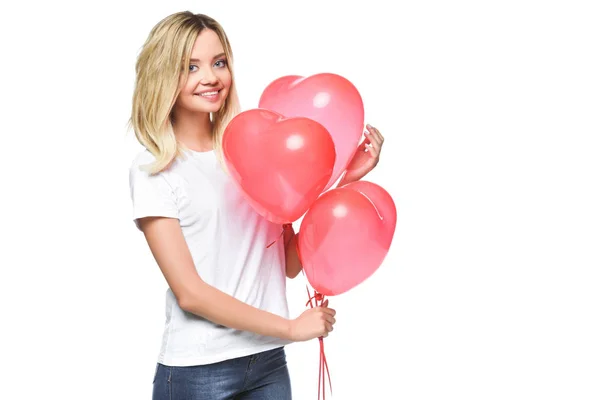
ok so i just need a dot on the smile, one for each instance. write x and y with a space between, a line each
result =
208 94
212 95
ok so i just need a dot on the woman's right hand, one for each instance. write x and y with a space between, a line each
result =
313 323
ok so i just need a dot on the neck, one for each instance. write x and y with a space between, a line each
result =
194 130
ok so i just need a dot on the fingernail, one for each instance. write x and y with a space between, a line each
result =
369 126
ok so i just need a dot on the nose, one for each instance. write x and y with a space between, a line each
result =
208 77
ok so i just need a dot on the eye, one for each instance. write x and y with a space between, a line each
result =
221 63
193 68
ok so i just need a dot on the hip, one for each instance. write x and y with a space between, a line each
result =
263 374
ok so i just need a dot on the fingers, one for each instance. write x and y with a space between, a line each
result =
329 318
327 315
374 151
376 141
375 136
326 310
365 143
375 133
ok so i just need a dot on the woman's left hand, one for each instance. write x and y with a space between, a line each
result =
365 158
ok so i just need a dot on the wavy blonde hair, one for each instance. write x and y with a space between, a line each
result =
160 68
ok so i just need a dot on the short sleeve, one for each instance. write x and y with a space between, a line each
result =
151 195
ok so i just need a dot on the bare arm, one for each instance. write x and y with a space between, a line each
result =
168 246
170 250
293 266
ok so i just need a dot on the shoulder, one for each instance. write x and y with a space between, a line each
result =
141 159
167 179
145 158
139 173
140 167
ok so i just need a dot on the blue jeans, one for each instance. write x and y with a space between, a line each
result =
263 376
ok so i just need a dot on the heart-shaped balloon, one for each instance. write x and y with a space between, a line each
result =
383 203
281 164
327 98
345 236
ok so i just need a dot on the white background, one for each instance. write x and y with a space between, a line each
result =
490 112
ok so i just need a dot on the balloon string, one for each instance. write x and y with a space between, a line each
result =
280 235
323 367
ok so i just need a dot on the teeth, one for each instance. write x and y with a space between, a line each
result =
209 93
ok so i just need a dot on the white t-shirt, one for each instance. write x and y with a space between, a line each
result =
228 242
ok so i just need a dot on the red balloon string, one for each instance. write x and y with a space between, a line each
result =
280 235
323 367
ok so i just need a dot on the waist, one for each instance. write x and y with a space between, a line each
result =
189 339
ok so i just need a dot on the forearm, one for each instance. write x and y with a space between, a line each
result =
343 181
293 266
211 303
196 296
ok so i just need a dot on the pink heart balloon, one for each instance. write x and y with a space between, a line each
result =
327 98
383 203
280 164
345 236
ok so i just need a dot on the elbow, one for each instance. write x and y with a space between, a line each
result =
188 300
293 272
186 303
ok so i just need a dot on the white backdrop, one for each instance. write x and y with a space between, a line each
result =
490 112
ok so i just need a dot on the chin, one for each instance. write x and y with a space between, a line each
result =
194 107
201 105
213 108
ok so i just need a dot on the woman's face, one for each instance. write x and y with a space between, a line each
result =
209 77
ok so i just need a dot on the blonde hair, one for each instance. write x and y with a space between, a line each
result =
161 65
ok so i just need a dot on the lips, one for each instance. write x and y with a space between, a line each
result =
208 92
210 95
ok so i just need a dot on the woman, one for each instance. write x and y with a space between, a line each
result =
226 311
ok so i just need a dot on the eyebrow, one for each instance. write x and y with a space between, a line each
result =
217 56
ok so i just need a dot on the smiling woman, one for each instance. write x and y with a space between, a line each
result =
186 56
226 306
207 80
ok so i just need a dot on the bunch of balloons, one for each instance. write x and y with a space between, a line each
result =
286 154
